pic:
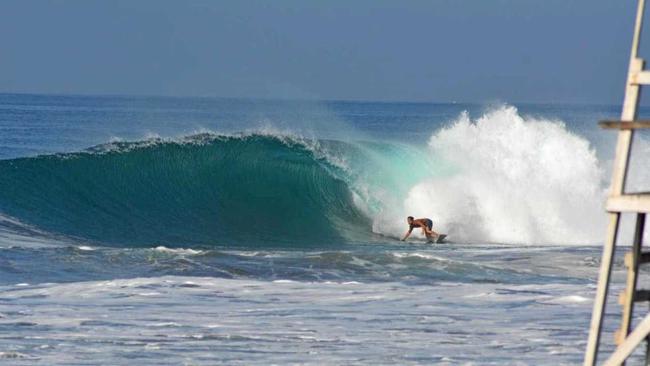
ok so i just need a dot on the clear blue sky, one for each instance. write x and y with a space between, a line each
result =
438 51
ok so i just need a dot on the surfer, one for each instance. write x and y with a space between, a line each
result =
426 224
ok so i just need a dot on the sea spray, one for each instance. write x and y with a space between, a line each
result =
515 180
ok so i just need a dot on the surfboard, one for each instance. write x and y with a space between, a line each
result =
439 239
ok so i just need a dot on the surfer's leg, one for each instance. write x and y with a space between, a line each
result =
430 234
429 230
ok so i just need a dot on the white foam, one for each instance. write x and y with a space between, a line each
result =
149 294
419 255
569 299
184 251
166 324
512 180
302 316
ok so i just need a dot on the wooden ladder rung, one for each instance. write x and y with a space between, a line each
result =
638 202
640 78
644 257
625 125
639 296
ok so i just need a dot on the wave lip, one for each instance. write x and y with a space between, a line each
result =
203 190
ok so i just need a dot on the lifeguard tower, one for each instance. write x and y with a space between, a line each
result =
619 202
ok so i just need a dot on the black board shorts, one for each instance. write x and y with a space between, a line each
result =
429 224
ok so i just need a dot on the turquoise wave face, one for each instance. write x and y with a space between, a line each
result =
210 190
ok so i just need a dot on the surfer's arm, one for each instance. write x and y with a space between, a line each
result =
407 234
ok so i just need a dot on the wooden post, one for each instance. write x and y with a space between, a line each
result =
632 264
619 173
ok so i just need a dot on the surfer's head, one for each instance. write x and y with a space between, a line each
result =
409 219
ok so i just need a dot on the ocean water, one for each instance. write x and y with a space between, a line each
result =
202 231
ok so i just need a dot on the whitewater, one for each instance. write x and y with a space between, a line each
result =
223 231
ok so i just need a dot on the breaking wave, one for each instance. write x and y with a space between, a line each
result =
500 178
